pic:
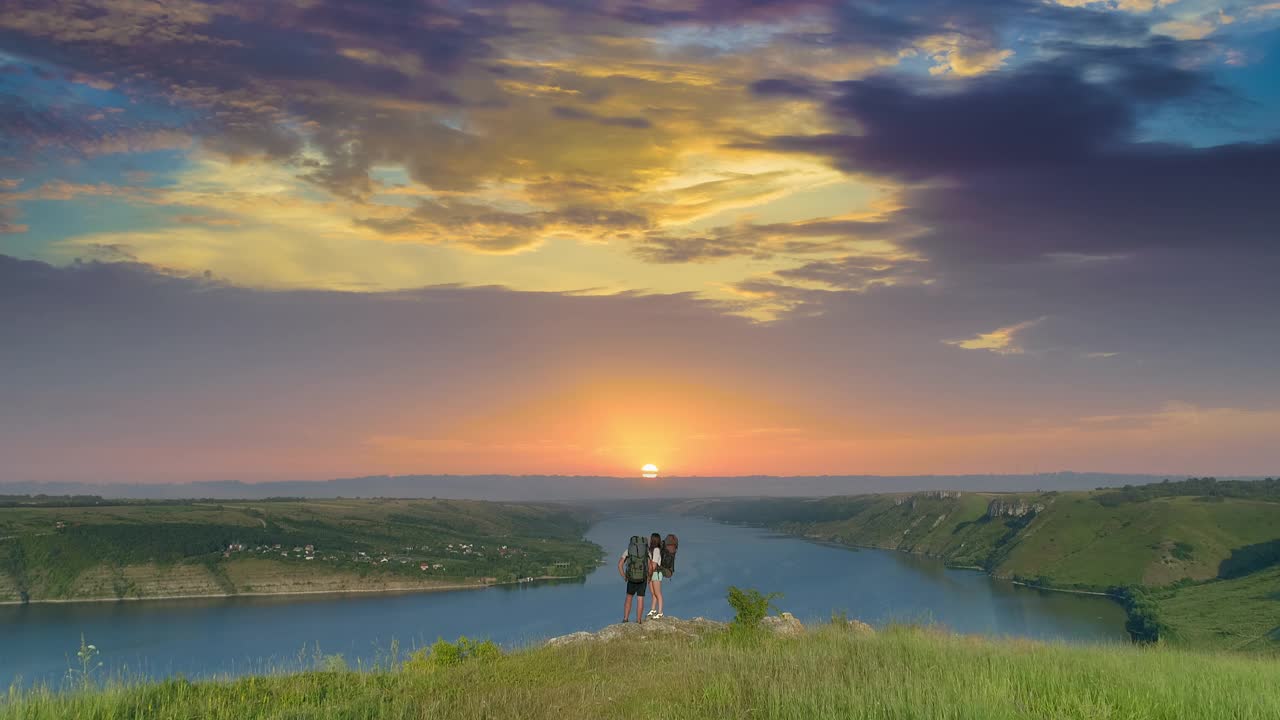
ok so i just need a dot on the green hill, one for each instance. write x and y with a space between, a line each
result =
1154 538
828 672
128 550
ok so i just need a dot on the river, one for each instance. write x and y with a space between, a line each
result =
233 636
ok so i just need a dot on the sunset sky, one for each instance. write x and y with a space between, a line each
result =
303 239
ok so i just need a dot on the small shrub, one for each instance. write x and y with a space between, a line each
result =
332 664
447 654
443 653
750 606
1183 550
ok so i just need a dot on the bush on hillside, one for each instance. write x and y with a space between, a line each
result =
443 653
750 607
1143 624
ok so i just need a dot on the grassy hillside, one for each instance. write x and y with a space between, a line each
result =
1240 614
1150 538
829 672
159 549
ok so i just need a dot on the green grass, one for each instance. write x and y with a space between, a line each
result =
1242 613
900 673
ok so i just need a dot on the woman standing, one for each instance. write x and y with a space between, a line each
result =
655 574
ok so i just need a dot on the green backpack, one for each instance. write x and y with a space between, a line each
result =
637 567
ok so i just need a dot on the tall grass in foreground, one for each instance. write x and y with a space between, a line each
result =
830 672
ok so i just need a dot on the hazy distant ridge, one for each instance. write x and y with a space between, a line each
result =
582 487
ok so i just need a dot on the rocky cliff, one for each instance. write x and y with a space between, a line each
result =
999 508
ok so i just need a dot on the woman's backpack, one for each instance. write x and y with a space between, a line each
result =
669 547
637 567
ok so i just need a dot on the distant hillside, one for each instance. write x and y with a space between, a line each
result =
140 549
1153 539
582 487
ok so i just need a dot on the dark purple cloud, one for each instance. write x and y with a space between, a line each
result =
786 87
1049 158
573 113
1047 114
248 77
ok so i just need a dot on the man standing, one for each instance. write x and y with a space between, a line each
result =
634 567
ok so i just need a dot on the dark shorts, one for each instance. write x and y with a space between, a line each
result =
634 588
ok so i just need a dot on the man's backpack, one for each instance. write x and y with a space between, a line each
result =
637 566
668 563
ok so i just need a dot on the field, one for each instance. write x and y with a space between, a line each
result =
132 550
1183 549
829 672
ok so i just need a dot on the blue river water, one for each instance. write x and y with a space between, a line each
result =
232 636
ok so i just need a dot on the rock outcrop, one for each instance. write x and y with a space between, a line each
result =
784 625
861 628
665 627
1010 508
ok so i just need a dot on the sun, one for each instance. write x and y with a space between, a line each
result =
650 470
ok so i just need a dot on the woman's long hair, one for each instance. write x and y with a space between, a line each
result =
655 541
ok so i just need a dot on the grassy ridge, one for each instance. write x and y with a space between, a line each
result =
1072 542
1240 614
1152 539
143 549
827 673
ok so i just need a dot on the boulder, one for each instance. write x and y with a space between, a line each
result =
785 625
861 628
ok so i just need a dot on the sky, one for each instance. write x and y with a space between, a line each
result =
311 238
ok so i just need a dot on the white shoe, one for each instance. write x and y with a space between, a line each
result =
651 613
655 617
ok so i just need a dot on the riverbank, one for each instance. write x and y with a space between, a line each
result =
405 590
977 568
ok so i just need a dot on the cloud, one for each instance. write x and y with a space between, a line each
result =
786 87
1001 341
764 240
1041 115
860 272
1047 161
488 229
8 211
572 113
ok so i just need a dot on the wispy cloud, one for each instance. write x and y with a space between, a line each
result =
1002 341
